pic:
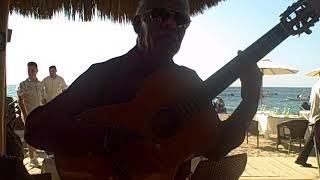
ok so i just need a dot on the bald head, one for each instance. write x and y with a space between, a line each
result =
179 5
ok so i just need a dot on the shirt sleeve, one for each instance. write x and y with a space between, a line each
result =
314 105
44 95
21 89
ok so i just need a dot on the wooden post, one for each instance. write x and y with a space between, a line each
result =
4 13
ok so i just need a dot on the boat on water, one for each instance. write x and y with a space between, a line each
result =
299 97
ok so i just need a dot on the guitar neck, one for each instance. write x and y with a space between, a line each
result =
229 73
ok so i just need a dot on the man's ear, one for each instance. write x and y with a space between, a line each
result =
137 24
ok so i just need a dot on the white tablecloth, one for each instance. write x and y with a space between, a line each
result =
268 123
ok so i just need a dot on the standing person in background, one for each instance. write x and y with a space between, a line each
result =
53 84
313 118
31 95
219 105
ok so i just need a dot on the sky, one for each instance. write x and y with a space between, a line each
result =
212 39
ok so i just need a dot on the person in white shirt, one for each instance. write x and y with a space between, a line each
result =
313 118
53 84
31 95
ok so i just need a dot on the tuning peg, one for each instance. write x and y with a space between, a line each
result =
308 31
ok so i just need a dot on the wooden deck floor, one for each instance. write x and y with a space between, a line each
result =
279 168
259 168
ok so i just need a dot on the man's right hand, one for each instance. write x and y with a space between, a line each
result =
251 81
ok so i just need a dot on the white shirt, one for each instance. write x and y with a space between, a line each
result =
53 86
32 93
315 103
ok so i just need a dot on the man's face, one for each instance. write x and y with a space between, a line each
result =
163 26
53 72
32 71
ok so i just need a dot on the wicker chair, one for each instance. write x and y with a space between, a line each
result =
254 130
228 168
291 131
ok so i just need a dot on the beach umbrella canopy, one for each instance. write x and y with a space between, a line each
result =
116 10
314 73
267 67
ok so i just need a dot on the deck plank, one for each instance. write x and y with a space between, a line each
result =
252 170
263 167
291 171
307 171
278 168
258 168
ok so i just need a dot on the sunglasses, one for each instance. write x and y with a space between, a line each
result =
160 15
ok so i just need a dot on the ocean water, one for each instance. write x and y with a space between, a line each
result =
11 90
275 97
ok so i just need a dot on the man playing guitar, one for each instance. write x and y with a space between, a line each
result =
75 123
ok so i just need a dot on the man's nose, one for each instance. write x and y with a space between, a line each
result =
169 23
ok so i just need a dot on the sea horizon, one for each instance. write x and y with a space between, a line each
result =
275 97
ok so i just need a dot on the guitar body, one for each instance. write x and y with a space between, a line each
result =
169 136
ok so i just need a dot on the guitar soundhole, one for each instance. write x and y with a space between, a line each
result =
166 123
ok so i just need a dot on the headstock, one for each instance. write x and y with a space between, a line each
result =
300 16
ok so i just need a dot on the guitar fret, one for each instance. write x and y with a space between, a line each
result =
267 42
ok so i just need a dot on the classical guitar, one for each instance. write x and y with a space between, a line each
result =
195 122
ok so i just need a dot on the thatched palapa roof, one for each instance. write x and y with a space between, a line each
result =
85 10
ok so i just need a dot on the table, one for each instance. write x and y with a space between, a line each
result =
268 123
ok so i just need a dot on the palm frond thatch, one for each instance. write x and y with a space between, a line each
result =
115 10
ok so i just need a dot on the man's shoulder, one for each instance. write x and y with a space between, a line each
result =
24 81
188 73
46 78
60 77
185 69
110 63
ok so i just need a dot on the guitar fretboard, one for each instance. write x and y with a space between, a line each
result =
229 73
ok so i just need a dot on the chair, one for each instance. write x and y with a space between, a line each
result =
293 130
11 164
14 146
13 113
230 167
254 130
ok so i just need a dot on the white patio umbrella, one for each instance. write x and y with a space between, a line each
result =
267 67
314 73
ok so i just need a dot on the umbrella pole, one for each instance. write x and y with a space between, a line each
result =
4 13
261 92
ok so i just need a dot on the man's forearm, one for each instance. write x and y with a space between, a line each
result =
244 113
232 131
22 108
